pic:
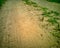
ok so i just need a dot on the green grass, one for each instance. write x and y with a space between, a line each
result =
56 1
52 21
2 2
56 34
49 12
30 3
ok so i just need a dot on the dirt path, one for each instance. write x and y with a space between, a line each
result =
22 28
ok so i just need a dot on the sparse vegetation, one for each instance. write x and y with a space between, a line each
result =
2 2
30 3
53 16
56 1
53 19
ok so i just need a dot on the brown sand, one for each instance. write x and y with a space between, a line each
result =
23 29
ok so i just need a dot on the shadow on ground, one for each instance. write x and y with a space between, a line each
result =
56 1
2 2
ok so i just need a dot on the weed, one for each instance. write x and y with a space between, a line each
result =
56 34
52 21
56 1
2 2
30 3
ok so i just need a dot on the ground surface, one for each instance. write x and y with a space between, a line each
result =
24 26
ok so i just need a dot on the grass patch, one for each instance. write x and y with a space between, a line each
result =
56 1
56 34
2 2
48 12
44 9
57 27
52 21
31 3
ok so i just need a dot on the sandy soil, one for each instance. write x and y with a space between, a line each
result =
22 28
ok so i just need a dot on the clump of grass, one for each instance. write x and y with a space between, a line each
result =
31 3
56 1
57 27
49 13
56 34
44 9
53 16
27 2
52 21
56 13
2 2
46 12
